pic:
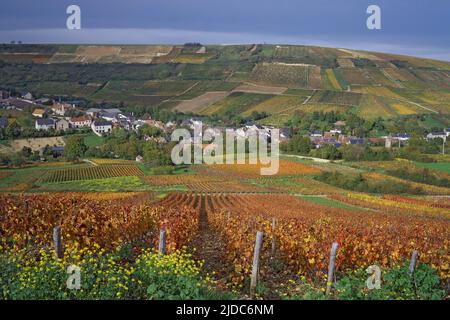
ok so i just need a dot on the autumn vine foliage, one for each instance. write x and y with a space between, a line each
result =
304 233
108 221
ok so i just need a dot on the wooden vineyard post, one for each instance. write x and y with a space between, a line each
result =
57 241
255 268
412 263
333 252
162 241
274 224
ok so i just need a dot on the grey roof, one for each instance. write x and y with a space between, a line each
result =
102 123
402 135
93 110
107 114
45 122
438 133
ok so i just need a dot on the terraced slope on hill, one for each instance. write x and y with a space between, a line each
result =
234 79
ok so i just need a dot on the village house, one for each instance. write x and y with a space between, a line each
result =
319 142
103 113
285 134
42 100
93 112
27 95
435 135
62 124
447 131
108 116
79 122
316 134
57 151
39 113
401 137
171 125
61 108
124 123
45 124
156 124
376 141
355 140
100 127
336 131
328 135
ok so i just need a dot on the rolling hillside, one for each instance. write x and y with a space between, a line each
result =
276 79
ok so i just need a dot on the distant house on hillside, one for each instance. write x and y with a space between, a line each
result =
45 124
285 134
27 95
57 151
39 113
101 127
202 50
20 104
79 122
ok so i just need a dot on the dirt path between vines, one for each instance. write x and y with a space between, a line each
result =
210 248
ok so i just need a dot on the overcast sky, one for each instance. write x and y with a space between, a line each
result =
414 27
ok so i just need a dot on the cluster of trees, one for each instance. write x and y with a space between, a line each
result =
15 131
302 145
360 184
21 74
365 153
418 148
303 122
125 145
422 176
19 158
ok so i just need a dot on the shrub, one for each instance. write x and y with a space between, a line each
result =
397 284
114 275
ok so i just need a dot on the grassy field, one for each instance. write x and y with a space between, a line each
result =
114 184
440 166
329 202
93 140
